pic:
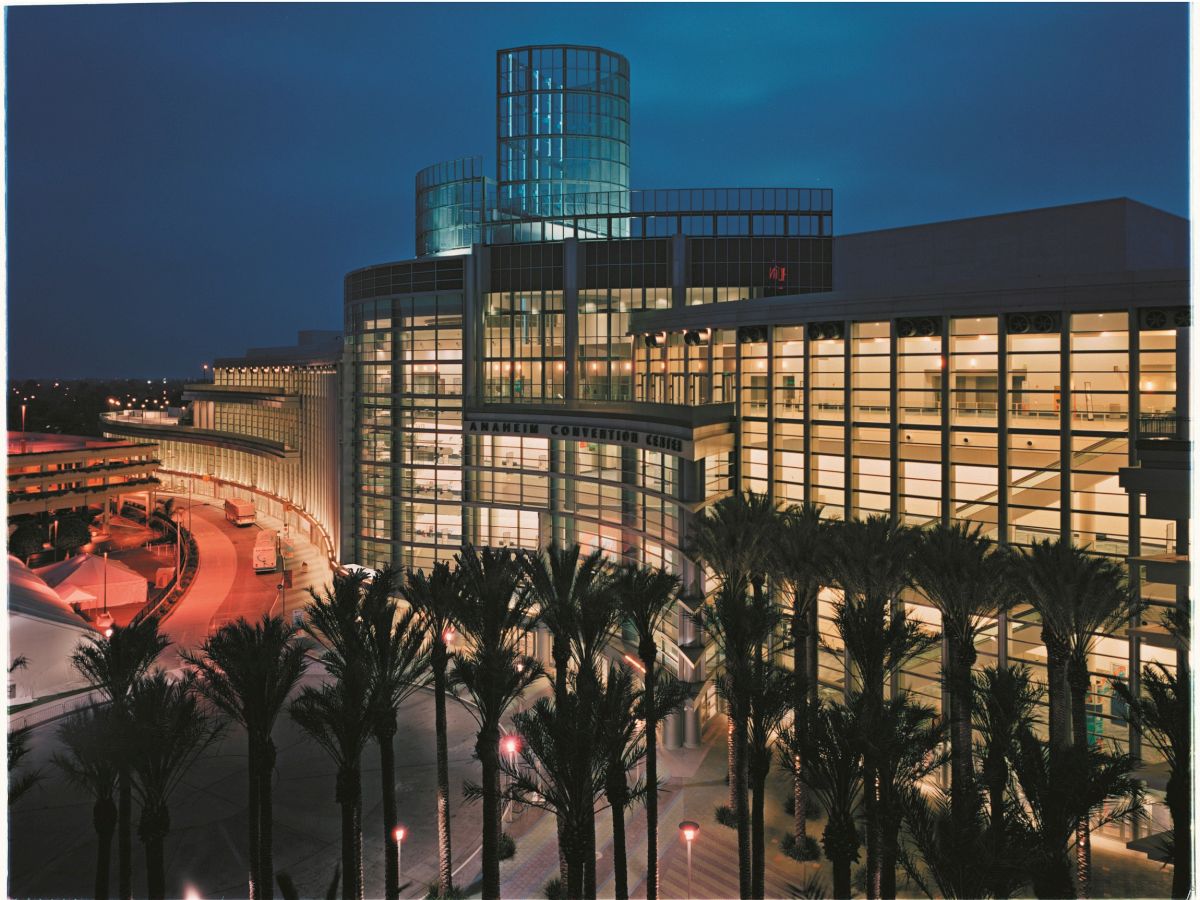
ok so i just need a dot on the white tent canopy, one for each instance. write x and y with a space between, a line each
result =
85 576
44 630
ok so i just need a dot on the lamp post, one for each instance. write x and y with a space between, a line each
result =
399 834
511 745
689 830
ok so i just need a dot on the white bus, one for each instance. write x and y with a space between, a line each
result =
265 555
239 511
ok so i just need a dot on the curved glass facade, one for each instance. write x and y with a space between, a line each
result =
453 200
562 126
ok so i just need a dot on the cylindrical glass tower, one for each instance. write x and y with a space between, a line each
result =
453 199
562 126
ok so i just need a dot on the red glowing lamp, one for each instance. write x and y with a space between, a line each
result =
689 830
510 744
400 834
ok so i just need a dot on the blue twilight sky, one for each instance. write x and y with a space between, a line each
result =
185 181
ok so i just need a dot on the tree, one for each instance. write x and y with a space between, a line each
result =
168 731
435 598
800 554
869 560
18 749
71 534
338 714
646 597
1077 595
740 625
735 539
495 613
832 767
89 762
397 661
1005 700
1064 790
247 672
114 665
621 748
965 577
26 540
1161 716
771 697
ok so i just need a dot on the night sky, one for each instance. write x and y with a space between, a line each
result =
187 181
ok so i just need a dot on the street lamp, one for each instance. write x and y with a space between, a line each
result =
689 830
511 745
399 835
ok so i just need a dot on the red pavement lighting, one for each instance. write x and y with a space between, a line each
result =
399 834
689 830
449 635
511 745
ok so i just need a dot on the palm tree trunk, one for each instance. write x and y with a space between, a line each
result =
345 798
841 846
871 805
889 848
387 765
266 857
254 815
488 751
153 827
1057 691
742 806
104 817
799 718
125 834
572 852
560 653
359 878
758 850
589 856
731 765
962 768
1077 678
647 652
1178 793
445 867
616 801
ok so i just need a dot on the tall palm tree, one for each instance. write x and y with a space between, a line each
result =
965 577
113 665
565 584
89 762
770 701
621 748
435 597
168 730
800 558
563 772
1161 716
832 767
1005 700
398 663
338 714
1077 595
735 539
495 613
869 560
646 597
247 672
1061 788
740 625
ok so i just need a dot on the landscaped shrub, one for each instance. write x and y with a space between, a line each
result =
725 815
553 889
508 847
810 852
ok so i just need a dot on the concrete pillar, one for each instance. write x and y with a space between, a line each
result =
672 737
691 725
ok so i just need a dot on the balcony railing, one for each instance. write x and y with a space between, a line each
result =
1160 425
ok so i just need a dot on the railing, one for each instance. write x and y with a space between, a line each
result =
1162 425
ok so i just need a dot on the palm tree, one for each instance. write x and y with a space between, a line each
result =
869 560
495 614
338 714
740 625
90 764
167 732
563 587
562 773
1062 789
247 672
800 547
964 576
397 662
832 767
646 597
735 539
1161 716
435 598
621 748
1005 700
113 666
1077 595
771 699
